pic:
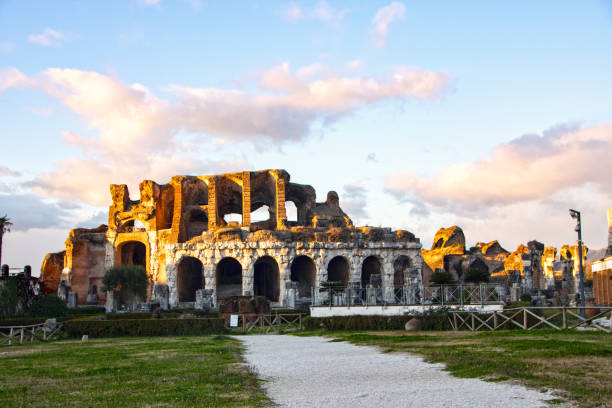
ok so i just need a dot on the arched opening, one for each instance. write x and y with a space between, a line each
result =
197 223
133 253
229 278
338 270
371 272
260 214
266 278
400 266
292 213
304 272
189 278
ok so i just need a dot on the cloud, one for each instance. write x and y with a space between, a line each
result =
371 157
147 3
137 134
392 12
321 11
47 38
354 64
531 167
354 202
6 46
28 211
5 171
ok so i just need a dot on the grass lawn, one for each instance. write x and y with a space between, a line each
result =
143 372
578 363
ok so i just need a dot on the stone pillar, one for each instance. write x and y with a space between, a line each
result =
213 220
281 212
248 274
177 212
284 281
246 198
112 302
173 298
161 294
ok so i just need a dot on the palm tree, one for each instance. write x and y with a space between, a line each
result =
5 226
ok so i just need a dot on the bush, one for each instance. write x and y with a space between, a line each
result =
441 277
86 310
48 306
431 320
128 280
526 297
144 327
475 275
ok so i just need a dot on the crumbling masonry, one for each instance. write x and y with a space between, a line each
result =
203 238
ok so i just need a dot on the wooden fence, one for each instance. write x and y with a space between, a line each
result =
270 323
21 334
529 318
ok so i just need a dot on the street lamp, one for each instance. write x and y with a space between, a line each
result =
576 215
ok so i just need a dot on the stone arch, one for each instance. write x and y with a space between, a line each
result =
266 278
304 272
338 270
197 222
132 252
229 278
371 266
401 264
189 278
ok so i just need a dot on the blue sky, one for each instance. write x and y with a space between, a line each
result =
494 116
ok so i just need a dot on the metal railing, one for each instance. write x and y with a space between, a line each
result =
21 334
462 295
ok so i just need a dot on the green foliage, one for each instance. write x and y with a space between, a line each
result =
431 320
86 310
475 275
441 277
128 280
144 327
526 297
48 306
8 296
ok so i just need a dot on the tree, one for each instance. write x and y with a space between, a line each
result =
5 226
476 275
128 280
441 277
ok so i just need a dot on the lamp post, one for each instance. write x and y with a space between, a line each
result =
576 215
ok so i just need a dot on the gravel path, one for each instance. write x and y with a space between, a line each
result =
314 372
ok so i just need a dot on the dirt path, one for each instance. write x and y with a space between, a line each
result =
314 372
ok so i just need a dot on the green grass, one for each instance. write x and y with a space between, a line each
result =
140 372
577 363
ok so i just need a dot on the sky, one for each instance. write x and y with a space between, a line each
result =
494 116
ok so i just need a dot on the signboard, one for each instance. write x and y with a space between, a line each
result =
233 320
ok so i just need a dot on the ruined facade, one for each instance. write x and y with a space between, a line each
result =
204 238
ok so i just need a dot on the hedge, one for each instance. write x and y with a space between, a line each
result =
143 327
432 320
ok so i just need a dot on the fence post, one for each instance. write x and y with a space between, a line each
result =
21 337
564 318
461 295
495 319
455 321
480 292
524 319
473 321
243 324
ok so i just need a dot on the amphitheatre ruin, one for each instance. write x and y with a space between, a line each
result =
198 242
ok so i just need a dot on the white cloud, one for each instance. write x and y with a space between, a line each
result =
11 78
531 167
354 202
392 12
147 3
47 38
5 171
6 46
137 133
322 11
354 65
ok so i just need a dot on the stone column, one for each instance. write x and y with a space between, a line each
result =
248 284
281 212
171 270
213 220
246 198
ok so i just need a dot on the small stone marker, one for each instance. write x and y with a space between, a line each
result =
413 324
85 337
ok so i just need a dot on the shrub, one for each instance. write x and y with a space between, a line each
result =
128 280
441 277
475 275
48 306
526 297
431 320
144 327
86 310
